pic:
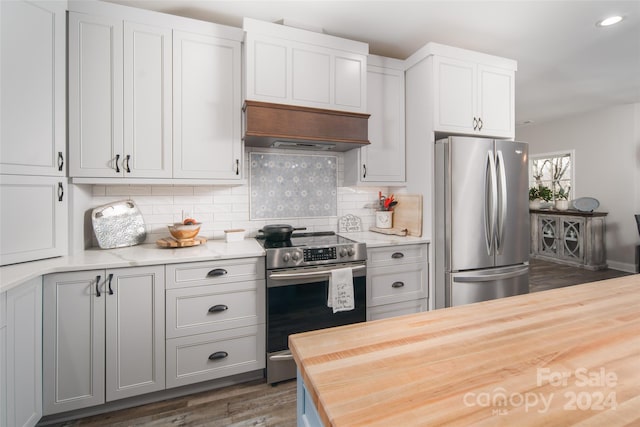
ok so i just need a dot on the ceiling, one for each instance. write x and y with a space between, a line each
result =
566 65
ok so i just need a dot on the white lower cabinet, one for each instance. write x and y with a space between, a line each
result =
215 319
397 280
21 355
103 336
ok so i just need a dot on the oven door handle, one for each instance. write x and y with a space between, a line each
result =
282 356
306 274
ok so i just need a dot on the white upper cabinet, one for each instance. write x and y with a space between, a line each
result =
32 111
473 98
147 101
152 97
292 66
33 219
206 107
119 98
95 96
383 161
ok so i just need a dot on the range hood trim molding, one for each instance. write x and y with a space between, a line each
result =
265 123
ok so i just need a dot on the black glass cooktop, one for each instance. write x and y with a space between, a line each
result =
316 239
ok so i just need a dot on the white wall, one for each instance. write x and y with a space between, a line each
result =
607 167
217 207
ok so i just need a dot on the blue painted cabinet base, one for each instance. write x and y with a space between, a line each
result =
307 413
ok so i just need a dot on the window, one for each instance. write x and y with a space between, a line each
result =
554 171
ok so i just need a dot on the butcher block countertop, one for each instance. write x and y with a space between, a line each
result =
568 356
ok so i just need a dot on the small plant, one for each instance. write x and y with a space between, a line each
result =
541 192
562 195
545 193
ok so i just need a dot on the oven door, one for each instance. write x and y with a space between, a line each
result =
297 302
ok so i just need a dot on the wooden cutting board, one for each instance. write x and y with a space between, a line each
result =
407 214
170 242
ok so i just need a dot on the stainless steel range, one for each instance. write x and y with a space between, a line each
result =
298 272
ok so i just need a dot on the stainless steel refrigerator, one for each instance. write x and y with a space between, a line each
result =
481 220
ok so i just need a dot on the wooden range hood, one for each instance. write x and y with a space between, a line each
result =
290 126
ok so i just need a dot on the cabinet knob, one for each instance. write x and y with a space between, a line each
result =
218 355
397 284
397 255
218 308
216 272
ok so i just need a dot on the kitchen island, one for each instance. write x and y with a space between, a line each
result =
560 357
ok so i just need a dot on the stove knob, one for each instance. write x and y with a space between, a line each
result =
286 257
343 252
350 251
295 256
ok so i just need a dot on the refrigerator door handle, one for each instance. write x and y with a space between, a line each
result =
491 202
491 277
502 202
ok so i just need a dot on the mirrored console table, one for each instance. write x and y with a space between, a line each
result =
569 237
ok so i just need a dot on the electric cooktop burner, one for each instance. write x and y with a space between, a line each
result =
322 238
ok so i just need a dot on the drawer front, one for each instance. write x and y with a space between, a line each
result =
397 309
386 285
203 309
214 272
396 255
239 350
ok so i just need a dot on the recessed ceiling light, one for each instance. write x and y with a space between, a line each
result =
609 21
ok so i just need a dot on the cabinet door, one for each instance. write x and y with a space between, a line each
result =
548 228
384 159
95 96
33 220
32 114
147 101
24 354
266 69
496 107
134 331
571 238
3 359
73 345
310 76
455 95
206 107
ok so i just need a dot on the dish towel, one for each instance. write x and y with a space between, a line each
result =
340 294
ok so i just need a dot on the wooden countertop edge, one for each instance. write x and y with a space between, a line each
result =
310 358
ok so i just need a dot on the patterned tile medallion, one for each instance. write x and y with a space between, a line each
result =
292 185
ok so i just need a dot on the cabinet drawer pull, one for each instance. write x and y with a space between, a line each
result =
397 255
60 161
397 284
237 166
218 355
217 272
364 169
479 123
126 164
98 286
60 191
218 308
117 167
475 124
110 278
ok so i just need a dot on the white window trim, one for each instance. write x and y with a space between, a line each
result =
572 155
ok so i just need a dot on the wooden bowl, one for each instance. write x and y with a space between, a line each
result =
184 232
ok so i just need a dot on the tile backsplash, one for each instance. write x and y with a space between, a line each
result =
226 207
292 185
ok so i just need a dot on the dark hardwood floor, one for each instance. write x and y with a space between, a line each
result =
258 404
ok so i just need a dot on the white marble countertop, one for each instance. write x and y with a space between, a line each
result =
150 254
146 254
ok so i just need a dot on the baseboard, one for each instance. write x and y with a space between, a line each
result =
621 266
